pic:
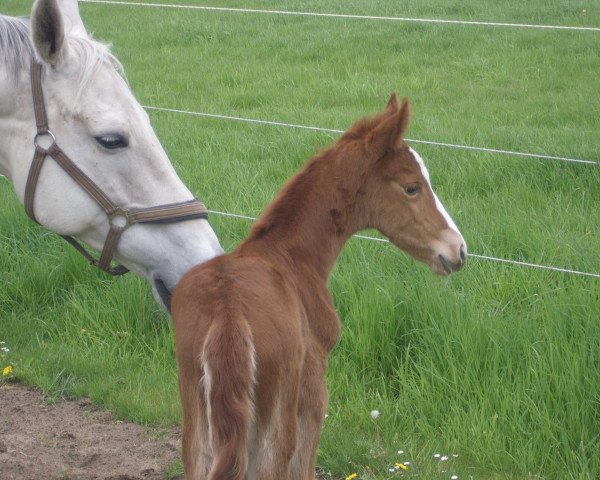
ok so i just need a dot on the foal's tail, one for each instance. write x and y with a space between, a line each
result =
229 376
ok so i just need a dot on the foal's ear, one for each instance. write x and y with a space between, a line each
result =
392 105
389 134
405 116
48 31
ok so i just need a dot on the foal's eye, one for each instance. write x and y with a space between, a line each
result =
112 141
412 190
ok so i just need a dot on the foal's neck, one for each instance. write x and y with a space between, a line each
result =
311 218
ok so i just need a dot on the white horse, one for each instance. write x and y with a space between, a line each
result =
94 118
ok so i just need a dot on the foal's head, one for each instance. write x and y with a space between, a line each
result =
397 193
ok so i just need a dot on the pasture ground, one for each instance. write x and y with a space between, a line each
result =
73 440
498 364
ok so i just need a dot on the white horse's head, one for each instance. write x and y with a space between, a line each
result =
99 124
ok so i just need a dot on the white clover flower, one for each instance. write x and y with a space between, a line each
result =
375 414
454 477
444 458
400 452
436 455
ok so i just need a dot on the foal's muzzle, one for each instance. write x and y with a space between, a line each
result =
451 267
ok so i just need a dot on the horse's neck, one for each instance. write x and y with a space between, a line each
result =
16 118
16 108
4 125
308 222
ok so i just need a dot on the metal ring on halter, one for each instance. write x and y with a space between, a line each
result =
119 212
41 135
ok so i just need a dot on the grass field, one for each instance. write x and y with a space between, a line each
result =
499 364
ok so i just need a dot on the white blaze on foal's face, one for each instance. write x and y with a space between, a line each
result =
450 247
438 204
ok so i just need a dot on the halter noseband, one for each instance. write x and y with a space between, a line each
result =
119 218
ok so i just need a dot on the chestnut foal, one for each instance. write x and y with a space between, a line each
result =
253 329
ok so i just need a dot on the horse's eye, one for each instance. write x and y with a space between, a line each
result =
412 190
112 141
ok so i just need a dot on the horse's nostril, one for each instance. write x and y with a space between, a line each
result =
463 253
163 292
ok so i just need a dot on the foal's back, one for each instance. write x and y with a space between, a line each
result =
247 306
233 288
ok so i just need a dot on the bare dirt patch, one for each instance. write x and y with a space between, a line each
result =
73 440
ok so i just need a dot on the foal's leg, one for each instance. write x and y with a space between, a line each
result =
278 435
312 407
196 451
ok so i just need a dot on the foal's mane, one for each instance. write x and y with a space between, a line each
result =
293 198
362 127
16 51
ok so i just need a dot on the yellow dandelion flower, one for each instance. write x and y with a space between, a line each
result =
352 476
401 466
7 371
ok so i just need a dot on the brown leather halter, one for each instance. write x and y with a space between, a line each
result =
119 218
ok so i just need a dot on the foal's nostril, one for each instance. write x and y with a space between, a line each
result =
450 267
463 253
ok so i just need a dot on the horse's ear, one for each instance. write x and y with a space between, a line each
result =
48 31
71 17
389 134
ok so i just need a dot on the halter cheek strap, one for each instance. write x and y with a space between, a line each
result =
119 218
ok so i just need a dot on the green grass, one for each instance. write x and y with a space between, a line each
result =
498 364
